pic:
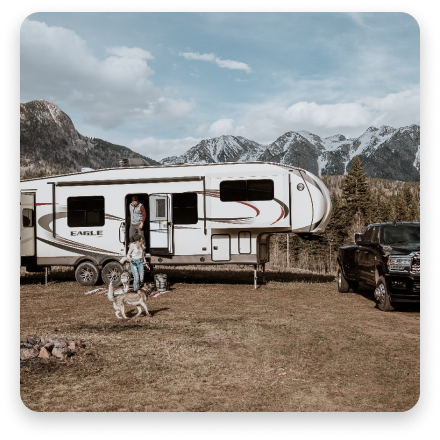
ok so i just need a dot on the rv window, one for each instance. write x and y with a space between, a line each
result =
185 209
28 215
259 190
233 190
160 208
85 211
246 190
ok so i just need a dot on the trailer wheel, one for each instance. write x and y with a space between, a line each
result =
87 274
112 272
382 296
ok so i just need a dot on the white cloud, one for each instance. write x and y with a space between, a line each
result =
130 52
224 64
234 65
58 65
217 128
160 148
197 56
266 122
168 109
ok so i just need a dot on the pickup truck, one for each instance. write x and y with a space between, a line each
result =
385 257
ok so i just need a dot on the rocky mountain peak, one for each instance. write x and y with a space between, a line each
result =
49 141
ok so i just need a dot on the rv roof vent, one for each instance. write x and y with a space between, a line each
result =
132 162
85 169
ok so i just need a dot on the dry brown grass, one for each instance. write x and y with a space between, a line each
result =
289 346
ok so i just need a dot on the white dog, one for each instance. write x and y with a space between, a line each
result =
125 279
137 299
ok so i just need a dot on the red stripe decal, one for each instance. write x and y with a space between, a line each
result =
251 206
280 217
243 203
39 204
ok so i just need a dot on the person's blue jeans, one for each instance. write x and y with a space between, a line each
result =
137 269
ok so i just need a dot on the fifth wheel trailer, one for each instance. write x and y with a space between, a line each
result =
197 214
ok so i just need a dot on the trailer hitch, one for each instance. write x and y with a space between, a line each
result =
313 237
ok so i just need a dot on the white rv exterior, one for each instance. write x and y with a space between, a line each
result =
197 213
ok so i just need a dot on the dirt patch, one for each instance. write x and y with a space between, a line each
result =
288 346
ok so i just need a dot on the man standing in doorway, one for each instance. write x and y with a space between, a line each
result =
138 217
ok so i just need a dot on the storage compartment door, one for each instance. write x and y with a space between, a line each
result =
161 225
221 247
244 242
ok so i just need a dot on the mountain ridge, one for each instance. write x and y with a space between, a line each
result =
50 144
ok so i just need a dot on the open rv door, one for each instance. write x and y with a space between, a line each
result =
161 224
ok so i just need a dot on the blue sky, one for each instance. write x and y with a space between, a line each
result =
160 82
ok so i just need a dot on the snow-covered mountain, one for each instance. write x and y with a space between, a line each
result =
220 149
50 144
385 152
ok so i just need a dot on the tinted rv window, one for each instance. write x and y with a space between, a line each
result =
85 211
185 209
246 190
260 190
28 215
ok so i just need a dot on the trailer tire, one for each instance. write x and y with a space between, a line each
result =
112 272
87 273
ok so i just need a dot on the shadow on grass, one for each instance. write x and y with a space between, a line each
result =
224 276
368 293
56 275
198 276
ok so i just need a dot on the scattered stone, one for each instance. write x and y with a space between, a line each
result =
28 353
44 353
46 348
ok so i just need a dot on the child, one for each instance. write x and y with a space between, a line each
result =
135 255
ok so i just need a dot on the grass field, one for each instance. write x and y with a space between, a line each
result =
215 344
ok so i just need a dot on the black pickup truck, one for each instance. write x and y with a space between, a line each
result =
386 257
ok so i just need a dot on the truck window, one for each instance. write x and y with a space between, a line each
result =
375 238
85 211
246 190
185 209
401 234
368 235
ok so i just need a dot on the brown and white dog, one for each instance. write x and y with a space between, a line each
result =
137 299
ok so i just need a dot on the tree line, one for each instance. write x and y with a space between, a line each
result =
357 201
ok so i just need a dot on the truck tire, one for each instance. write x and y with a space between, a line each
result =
382 296
343 285
112 271
87 274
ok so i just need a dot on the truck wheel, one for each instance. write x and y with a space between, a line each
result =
87 274
343 285
382 296
354 286
112 272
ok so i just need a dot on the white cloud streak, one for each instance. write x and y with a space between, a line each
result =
212 58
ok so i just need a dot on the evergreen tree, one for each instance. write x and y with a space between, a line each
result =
400 208
412 207
356 192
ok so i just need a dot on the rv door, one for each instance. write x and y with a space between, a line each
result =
27 227
161 224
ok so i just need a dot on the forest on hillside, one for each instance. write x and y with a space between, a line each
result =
357 201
